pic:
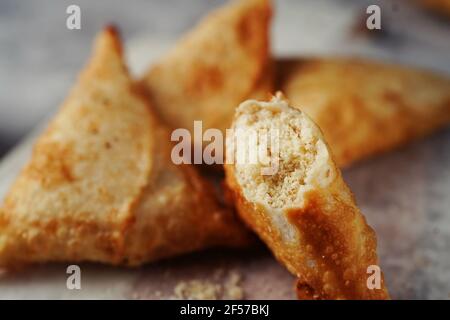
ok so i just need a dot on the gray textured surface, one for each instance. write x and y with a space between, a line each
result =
404 194
405 197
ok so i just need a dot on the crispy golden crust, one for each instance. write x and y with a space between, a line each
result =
365 108
100 185
334 248
183 207
223 61
72 200
333 233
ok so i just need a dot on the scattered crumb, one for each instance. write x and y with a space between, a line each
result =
197 290
229 288
233 290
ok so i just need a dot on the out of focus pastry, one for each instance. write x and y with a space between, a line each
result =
100 185
363 107
221 62
302 210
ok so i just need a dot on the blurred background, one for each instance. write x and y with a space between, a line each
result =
40 57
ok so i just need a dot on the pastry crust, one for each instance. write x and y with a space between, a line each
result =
305 213
364 108
221 62
179 211
100 185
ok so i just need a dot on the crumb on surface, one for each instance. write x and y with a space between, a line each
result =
229 288
233 288
197 290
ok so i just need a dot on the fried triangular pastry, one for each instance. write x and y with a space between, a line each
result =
221 62
363 107
301 208
101 186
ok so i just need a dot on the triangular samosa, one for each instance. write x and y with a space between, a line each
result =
221 62
101 186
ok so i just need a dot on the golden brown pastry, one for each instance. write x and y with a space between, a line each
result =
302 210
100 185
364 108
221 62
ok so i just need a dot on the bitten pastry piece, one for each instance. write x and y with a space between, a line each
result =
100 185
303 211
364 108
221 62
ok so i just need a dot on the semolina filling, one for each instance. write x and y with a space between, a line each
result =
299 151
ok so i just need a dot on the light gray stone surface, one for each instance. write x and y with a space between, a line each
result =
405 194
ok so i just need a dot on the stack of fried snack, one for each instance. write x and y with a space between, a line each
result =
100 185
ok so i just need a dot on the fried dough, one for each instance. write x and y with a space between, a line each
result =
221 62
364 108
100 185
304 212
